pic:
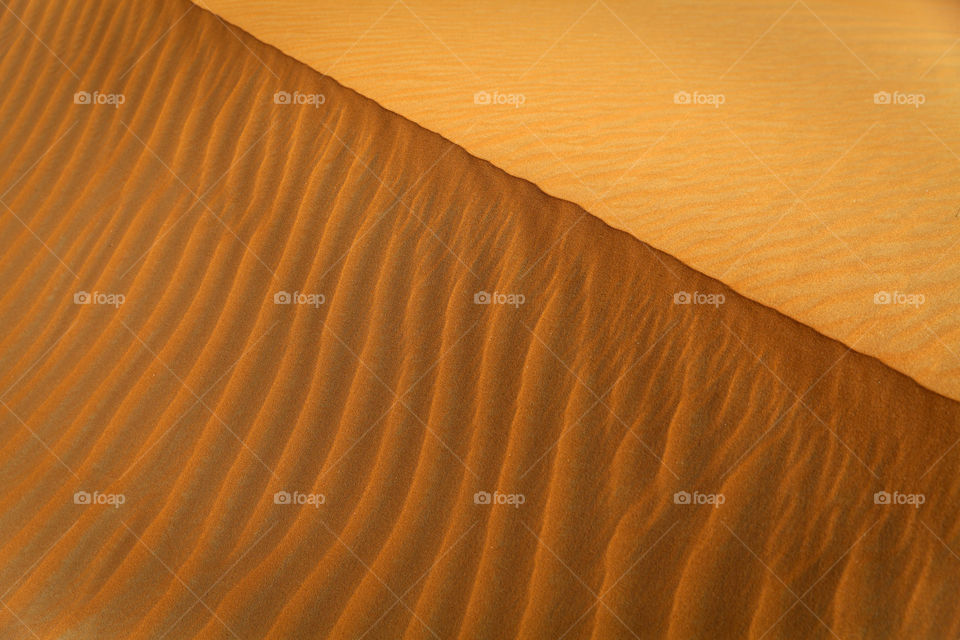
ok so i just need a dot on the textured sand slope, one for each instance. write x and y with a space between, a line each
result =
797 190
398 398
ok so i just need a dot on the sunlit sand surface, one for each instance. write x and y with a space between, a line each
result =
781 177
301 368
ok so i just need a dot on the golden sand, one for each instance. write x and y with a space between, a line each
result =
630 450
798 190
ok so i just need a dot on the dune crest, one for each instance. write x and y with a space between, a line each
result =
282 364
806 154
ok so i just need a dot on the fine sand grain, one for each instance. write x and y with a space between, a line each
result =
798 190
655 469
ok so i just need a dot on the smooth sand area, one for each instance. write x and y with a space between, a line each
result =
798 190
224 453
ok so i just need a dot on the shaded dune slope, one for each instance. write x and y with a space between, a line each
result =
798 191
398 398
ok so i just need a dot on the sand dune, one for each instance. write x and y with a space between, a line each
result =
797 190
631 449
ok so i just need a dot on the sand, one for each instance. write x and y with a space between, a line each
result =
798 190
207 457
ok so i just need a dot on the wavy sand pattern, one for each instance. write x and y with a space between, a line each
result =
185 407
798 190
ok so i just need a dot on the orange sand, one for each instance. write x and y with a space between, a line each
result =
147 445
798 190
